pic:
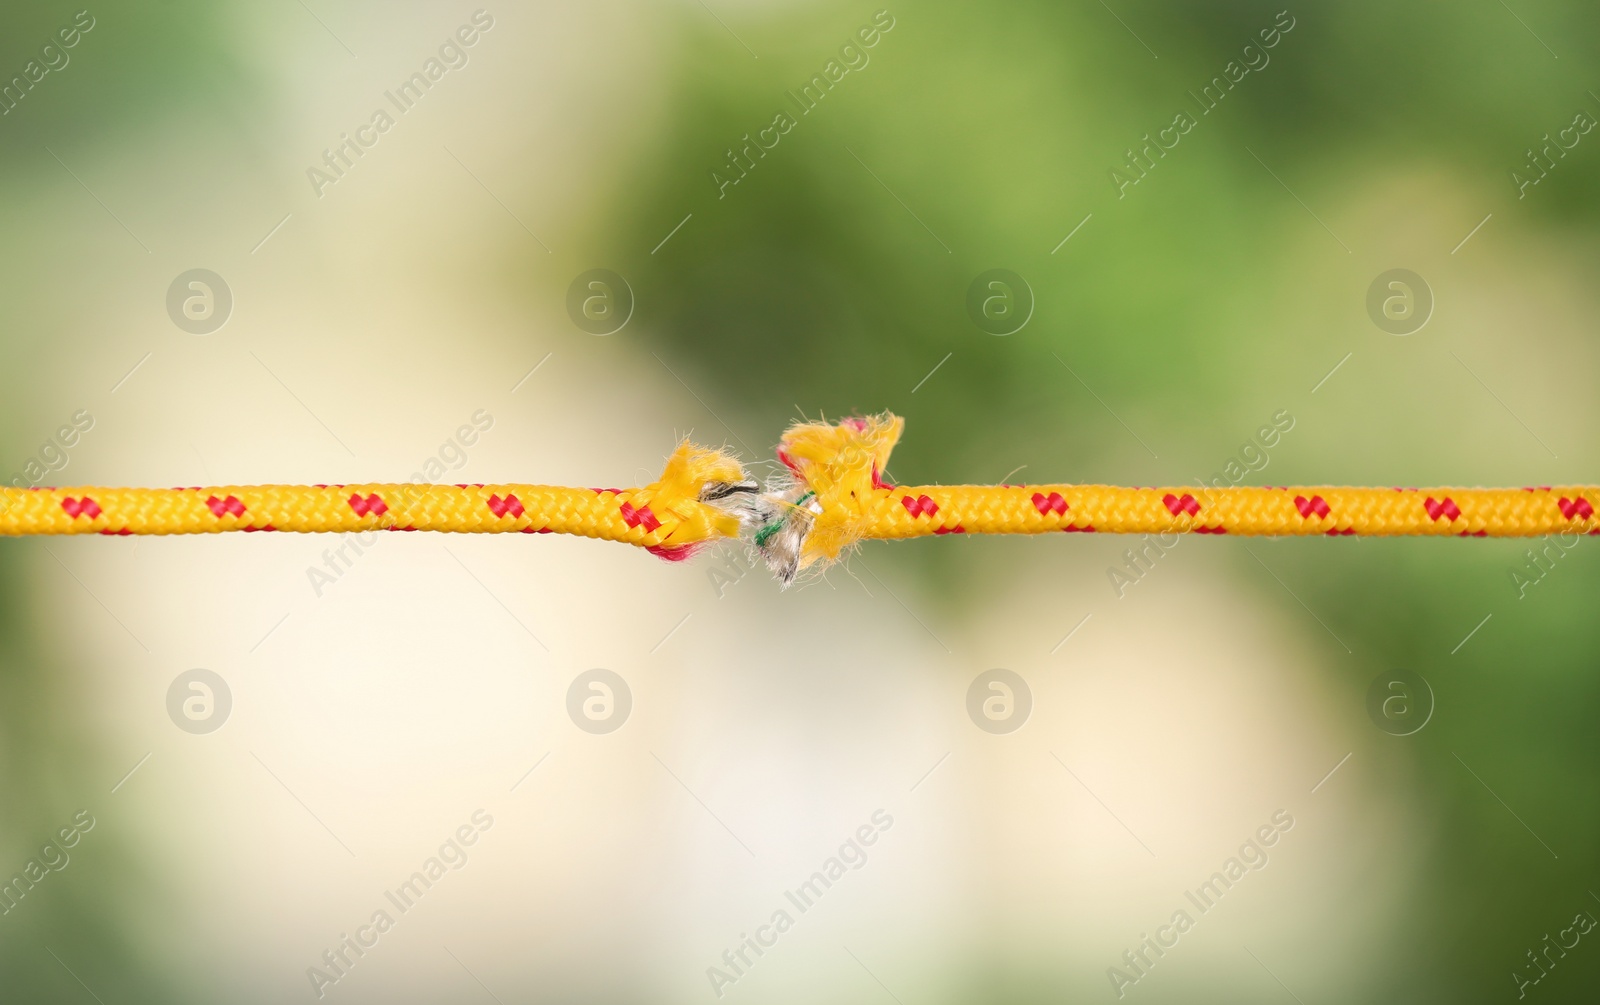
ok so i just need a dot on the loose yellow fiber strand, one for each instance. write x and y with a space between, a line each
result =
837 498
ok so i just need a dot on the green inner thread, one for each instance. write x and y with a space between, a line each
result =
765 533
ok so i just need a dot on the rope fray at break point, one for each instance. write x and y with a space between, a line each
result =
832 498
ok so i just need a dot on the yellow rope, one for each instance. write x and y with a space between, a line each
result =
843 464
837 499
664 514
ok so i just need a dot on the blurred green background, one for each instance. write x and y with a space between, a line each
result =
1171 320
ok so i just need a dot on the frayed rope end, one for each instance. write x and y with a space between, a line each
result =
821 510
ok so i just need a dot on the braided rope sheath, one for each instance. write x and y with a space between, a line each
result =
666 516
1037 509
529 509
842 465
837 498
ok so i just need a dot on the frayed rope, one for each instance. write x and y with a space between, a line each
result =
823 506
832 496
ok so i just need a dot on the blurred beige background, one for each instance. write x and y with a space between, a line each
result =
431 679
